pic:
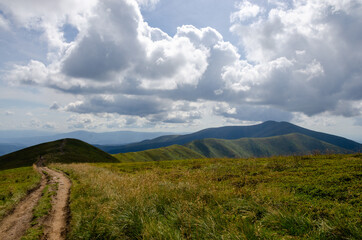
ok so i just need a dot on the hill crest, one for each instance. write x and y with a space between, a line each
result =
61 151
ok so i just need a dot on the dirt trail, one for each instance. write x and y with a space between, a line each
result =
15 224
56 226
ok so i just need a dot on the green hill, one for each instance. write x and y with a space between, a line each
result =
290 144
174 152
61 151
266 129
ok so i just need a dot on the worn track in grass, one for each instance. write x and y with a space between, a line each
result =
14 226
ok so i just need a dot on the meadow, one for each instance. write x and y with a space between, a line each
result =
14 185
301 197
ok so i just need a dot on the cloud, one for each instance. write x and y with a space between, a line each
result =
123 105
246 10
54 106
148 4
49 17
9 113
298 57
34 73
319 46
4 24
49 125
251 113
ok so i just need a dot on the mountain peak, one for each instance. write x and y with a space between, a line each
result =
266 129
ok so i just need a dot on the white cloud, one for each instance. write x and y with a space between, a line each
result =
33 73
246 10
49 16
302 57
322 42
4 24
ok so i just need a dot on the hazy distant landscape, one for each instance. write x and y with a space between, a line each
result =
12 140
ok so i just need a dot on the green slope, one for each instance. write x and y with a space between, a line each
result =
266 129
174 152
290 144
63 151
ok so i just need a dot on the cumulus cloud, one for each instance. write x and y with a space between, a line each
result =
246 10
303 56
34 73
318 50
49 17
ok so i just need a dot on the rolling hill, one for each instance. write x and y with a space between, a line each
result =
290 144
64 151
174 152
266 129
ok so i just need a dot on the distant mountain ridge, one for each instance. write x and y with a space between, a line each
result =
266 129
16 140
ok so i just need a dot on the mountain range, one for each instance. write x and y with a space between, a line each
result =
262 140
263 130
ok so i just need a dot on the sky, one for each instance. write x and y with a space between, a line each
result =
180 66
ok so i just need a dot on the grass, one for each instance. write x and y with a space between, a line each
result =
14 185
310 197
174 152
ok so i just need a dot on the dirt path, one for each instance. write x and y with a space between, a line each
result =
15 224
56 226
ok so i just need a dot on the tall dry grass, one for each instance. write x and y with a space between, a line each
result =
315 197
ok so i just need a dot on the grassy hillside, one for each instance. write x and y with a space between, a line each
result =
266 129
65 151
290 144
316 197
14 185
174 152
